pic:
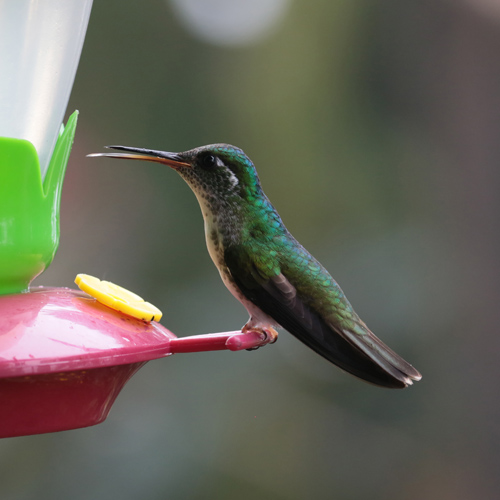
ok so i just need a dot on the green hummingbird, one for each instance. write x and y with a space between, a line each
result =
275 278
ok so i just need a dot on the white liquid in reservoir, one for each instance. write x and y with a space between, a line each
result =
40 46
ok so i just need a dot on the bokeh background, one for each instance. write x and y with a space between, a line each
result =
375 127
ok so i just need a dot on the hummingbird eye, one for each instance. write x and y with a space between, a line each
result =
209 161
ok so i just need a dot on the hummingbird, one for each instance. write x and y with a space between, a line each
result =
273 276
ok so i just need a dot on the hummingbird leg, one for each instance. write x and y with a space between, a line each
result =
268 334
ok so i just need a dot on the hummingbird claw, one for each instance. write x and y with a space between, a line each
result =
253 348
271 335
268 335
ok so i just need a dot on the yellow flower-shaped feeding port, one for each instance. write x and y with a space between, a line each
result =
118 298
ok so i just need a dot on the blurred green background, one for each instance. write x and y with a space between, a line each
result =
375 129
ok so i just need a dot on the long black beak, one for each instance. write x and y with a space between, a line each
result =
173 160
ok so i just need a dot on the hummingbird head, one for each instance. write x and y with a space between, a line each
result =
217 173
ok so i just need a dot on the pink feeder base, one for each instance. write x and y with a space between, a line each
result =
36 404
64 358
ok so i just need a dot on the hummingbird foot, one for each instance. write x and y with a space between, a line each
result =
268 334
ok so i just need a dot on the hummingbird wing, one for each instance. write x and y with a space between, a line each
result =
312 307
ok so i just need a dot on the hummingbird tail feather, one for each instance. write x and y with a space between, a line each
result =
364 357
382 355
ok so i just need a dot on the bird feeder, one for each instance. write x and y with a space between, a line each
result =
64 356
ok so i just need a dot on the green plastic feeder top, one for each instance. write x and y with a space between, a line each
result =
29 208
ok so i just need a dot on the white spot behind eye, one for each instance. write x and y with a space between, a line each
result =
232 178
